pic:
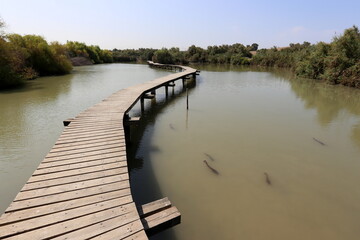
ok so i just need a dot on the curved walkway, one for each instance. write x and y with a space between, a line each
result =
81 189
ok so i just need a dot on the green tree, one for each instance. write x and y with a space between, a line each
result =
163 56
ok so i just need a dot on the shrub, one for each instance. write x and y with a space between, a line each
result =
163 56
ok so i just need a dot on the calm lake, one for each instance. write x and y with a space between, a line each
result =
287 151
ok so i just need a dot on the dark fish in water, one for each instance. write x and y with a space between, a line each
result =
211 168
172 127
267 178
209 156
318 141
154 149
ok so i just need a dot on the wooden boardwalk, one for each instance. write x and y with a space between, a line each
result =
81 189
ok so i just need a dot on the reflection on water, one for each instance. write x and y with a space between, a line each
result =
258 130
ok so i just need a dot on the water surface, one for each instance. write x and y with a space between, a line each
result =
243 122
252 123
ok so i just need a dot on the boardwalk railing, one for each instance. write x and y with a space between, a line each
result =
81 189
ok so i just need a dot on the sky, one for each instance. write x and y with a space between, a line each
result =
136 24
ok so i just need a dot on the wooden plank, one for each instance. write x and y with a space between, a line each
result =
153 207
132 121
54 218
85 154
122 173
149 96
31 203
92 141
87 145
121 232
100 228
85 126
71 187
90 129
77 165
92 121
120 154
141 235
13 217
74 172
62 227
87 133
161 220
87 139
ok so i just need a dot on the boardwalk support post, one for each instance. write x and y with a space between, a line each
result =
187 99
142 104
127 129
166 91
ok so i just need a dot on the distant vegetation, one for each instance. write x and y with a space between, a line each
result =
337 62
236 54
94 53
26 57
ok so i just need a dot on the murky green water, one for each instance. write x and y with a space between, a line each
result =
249 122
31 118
253 123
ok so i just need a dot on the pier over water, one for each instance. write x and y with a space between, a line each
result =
81 190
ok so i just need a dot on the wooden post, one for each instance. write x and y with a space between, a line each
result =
166 91
127 130
153 91
142 104
187 99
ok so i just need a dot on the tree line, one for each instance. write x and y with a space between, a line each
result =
27 57
337 62
236 54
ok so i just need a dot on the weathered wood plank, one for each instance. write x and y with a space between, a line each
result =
141 235
89 216
153 207
88 145
77 165
122 232
12 217
122 173
102 227
25 214
80 144
80 129
38 193
86 154
162 220
89 133
75 172
120 154
87 139
20 205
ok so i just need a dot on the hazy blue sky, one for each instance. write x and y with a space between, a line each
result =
154 23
